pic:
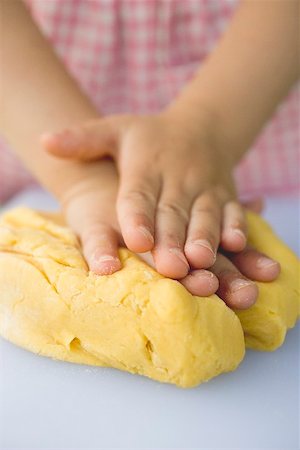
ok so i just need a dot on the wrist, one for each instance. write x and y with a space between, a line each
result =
203 123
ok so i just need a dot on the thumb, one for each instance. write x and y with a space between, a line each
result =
92 140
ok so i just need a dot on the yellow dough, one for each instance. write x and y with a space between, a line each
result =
265 324
134 320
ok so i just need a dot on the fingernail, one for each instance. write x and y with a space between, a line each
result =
239 232
206 244
202 274
239 283
104 264
147 233
105 258
99 258
176 251
264 262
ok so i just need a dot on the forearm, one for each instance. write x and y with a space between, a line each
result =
247 75
37 95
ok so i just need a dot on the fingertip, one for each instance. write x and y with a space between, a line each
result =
256 266
234 240
139 239
200 254
103 264
146 233
242 295
63 143
201 283
269 269
171 263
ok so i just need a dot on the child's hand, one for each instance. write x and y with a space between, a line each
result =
90 209
89 206
176 194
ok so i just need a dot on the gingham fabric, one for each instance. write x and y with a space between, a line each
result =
136 55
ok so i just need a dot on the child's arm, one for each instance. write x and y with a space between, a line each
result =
36 93
248 74
176 167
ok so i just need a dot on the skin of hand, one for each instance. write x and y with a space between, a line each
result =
176 195
90 209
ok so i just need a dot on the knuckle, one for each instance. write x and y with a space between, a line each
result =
201 209
206 234
94 231
171 237
235 204
138 196
236 210
221 195
210 211
227 274
173 208
208 199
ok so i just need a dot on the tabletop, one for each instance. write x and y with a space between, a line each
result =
46 404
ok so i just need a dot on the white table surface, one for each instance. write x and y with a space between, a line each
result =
46 404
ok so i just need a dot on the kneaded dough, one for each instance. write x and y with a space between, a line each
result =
278 306
134 320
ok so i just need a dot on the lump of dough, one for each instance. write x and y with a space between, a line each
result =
134 320
265 324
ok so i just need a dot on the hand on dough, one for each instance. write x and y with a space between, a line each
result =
176 196
90 210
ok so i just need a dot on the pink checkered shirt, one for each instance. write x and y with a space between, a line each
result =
136 55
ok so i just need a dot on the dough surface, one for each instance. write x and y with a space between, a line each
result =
134 320
278 307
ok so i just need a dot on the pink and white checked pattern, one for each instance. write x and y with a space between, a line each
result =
136 55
